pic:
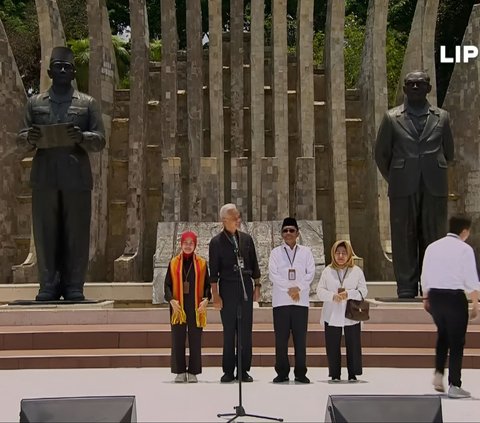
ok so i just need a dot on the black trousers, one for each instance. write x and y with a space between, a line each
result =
353 343
179 337
416 221
61 229
231 293
290 319
449 309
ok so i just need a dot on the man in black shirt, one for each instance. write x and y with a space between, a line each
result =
229 251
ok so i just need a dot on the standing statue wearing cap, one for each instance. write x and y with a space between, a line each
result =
62 125
413 148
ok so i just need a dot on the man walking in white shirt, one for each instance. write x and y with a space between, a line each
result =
449 271
291 271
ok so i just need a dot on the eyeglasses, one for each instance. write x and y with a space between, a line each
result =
289 230
417 83
67 67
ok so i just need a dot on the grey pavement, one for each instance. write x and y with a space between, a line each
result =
158 399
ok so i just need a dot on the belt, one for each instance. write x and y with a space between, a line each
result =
447 291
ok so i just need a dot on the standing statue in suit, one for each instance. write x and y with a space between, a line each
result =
414 145
62 125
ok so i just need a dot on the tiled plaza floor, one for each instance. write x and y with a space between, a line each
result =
158 399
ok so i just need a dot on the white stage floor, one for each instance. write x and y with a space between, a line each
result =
158 399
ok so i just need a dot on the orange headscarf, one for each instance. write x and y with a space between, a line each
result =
350 256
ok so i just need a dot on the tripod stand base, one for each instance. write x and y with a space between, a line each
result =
240 412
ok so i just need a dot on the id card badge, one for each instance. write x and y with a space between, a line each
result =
186 287
241 262
340 290
291 275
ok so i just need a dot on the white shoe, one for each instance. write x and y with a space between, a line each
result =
191 378
438 382
181 378
457 392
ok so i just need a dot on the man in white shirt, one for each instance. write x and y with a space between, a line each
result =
449 271
291 271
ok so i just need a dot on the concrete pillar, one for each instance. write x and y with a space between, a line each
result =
168 101
209 189
215 83
269 200
420 53
14 217
335 87
257 106
305 91
280 99
240 184
101 85
375 248
462 101
129 267
194 103
51 35
305 200
171 189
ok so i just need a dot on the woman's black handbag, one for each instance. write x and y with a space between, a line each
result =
358 310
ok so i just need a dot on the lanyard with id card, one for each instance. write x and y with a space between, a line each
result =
341 289
292 274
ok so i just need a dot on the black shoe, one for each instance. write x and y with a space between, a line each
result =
302 379
74 296
280 379
352 379
227 377
246 377
335 379
46 296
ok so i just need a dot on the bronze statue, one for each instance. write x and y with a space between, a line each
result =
414 145
62 125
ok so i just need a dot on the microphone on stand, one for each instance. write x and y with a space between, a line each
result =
237 248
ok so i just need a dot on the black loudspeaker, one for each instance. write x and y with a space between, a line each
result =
118 409
383 408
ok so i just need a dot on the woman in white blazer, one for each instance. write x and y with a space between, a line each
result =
340 281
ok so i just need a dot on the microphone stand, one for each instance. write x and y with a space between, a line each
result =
239 409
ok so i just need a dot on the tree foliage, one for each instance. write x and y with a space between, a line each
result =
20 20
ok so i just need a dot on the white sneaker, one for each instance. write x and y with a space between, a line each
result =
181 378
191 378
457 392
438 382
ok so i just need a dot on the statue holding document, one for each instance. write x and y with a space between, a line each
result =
62 125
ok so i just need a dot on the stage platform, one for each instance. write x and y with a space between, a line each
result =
158 399
400 335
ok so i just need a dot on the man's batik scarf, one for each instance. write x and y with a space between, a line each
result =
176 271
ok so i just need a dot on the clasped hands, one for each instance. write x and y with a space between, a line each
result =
294 293
202 307
342 296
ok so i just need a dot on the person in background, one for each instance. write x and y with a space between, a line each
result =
230 252
449 271
187 289
341 280
291 270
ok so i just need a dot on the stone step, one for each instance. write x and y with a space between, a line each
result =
212 357
84 337
142 291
